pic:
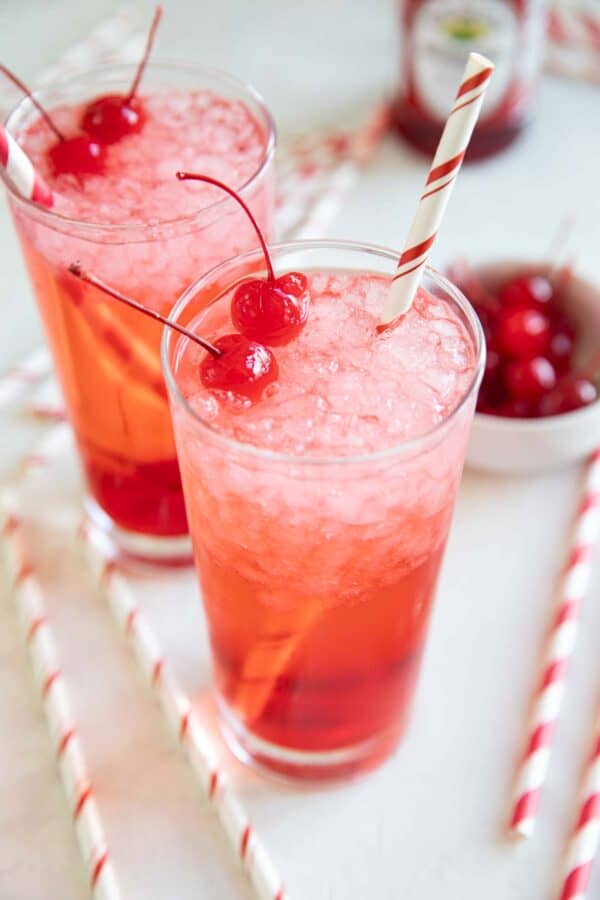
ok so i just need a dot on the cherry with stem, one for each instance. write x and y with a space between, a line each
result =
78 155
272 310
113 116
234 363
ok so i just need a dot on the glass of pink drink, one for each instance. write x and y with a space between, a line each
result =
319 513
148 235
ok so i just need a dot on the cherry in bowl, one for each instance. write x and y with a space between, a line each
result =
512 434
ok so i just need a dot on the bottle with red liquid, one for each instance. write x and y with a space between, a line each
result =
436 36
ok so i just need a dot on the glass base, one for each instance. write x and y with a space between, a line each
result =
131 548
307 768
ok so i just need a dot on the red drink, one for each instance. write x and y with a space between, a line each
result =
319 513
436 37
137 227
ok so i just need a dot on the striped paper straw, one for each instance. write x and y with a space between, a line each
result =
46 412
363 145
438 187
185 724
19 169
56 703
583 846
30 370
536 759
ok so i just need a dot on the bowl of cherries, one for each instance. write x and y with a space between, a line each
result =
538 406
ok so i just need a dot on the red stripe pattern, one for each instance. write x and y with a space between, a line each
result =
19 169
82 799
51 679
438 186
536 758
445 168
35 626
583 846
475 81
65 741
245 841
417 250
3 148
98 867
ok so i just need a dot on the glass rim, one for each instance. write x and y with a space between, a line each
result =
136 227
404 447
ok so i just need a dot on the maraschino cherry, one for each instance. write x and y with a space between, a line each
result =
571 393
241 366
527 291
530 341
113 116
79 155
272 309
233 362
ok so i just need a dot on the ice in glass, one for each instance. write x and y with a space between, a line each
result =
319 512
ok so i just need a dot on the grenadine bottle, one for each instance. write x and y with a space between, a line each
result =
436 37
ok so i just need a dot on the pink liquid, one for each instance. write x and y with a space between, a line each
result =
318 579
107 357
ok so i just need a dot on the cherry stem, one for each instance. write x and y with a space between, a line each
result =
147 51
189 176
79 272
23 87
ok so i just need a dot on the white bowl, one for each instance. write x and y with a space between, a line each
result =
507 445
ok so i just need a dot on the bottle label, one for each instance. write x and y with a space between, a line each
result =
445 32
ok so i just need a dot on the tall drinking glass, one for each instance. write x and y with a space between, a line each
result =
107 356
317 572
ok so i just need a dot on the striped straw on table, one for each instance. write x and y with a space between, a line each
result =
56 702
32 369
177 707
185 723
572 589
585 840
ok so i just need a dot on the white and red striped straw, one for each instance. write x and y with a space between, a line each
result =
362 146
46 412
56 703
438 187
574 584
31 370
585 840
184 722
20 171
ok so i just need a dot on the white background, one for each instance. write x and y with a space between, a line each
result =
430 822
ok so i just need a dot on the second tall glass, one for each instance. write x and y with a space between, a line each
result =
107 356
318 571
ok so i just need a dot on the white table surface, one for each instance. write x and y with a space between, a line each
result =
430 822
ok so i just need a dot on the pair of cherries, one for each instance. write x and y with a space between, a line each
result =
105 121
530 340
267 312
